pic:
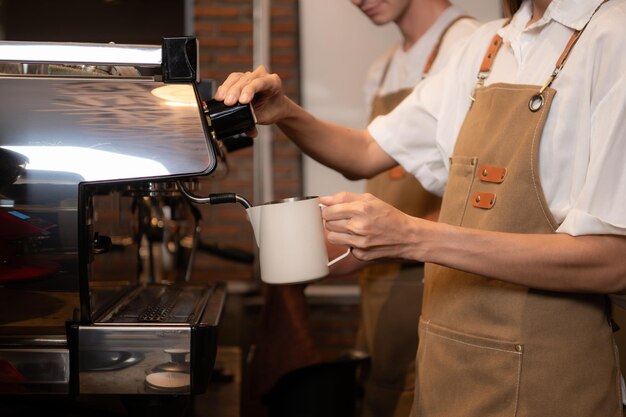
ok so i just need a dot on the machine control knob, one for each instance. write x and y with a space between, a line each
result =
178 363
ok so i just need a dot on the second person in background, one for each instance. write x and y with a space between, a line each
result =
391 292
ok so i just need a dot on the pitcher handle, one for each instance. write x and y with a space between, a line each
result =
343 255
340 257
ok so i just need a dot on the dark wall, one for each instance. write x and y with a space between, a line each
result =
128 21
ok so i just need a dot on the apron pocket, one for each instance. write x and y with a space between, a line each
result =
463 375
456 195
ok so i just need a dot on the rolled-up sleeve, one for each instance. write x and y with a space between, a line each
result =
601 205
408 134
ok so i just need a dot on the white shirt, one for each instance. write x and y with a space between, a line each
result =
583 148
406 67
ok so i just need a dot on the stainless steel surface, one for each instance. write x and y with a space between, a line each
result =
39 370
150 343
214 198
102 129
102 360
41 340
83 53
160 305
289 200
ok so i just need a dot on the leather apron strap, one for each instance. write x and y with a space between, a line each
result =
429 62
435 52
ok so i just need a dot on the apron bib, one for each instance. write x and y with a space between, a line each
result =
489 348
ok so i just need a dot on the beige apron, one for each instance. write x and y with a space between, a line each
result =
391 292
489 348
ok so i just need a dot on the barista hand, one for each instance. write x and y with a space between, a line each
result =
261 88
373 228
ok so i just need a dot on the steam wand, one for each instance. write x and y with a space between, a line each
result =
219 198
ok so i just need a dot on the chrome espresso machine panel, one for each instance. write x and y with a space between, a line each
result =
96 241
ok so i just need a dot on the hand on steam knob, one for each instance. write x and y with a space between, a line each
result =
261 88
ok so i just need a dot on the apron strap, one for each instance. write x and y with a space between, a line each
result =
433 54
490 55
387 65
431 57
485 66
496 43
568 49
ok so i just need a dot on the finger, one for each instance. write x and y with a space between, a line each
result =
241 86
343 239
342 197
354 227
351 209
269 84
249 89
244 88
336 212
367 255
350 240
260 71
339 226
224 89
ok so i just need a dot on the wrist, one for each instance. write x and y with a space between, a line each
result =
289 109
428 237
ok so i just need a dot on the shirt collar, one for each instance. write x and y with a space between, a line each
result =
573 14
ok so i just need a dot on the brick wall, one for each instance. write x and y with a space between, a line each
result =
224 29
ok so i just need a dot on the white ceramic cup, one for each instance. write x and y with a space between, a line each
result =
290 236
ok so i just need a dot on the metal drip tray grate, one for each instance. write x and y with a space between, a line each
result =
160 304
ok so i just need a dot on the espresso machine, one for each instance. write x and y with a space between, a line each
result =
96 240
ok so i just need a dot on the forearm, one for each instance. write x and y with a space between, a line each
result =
557 262
352 152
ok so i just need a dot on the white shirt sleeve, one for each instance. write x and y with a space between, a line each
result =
412 133
599 208
599 205
415 118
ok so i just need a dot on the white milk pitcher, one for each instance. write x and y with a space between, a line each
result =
290 237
